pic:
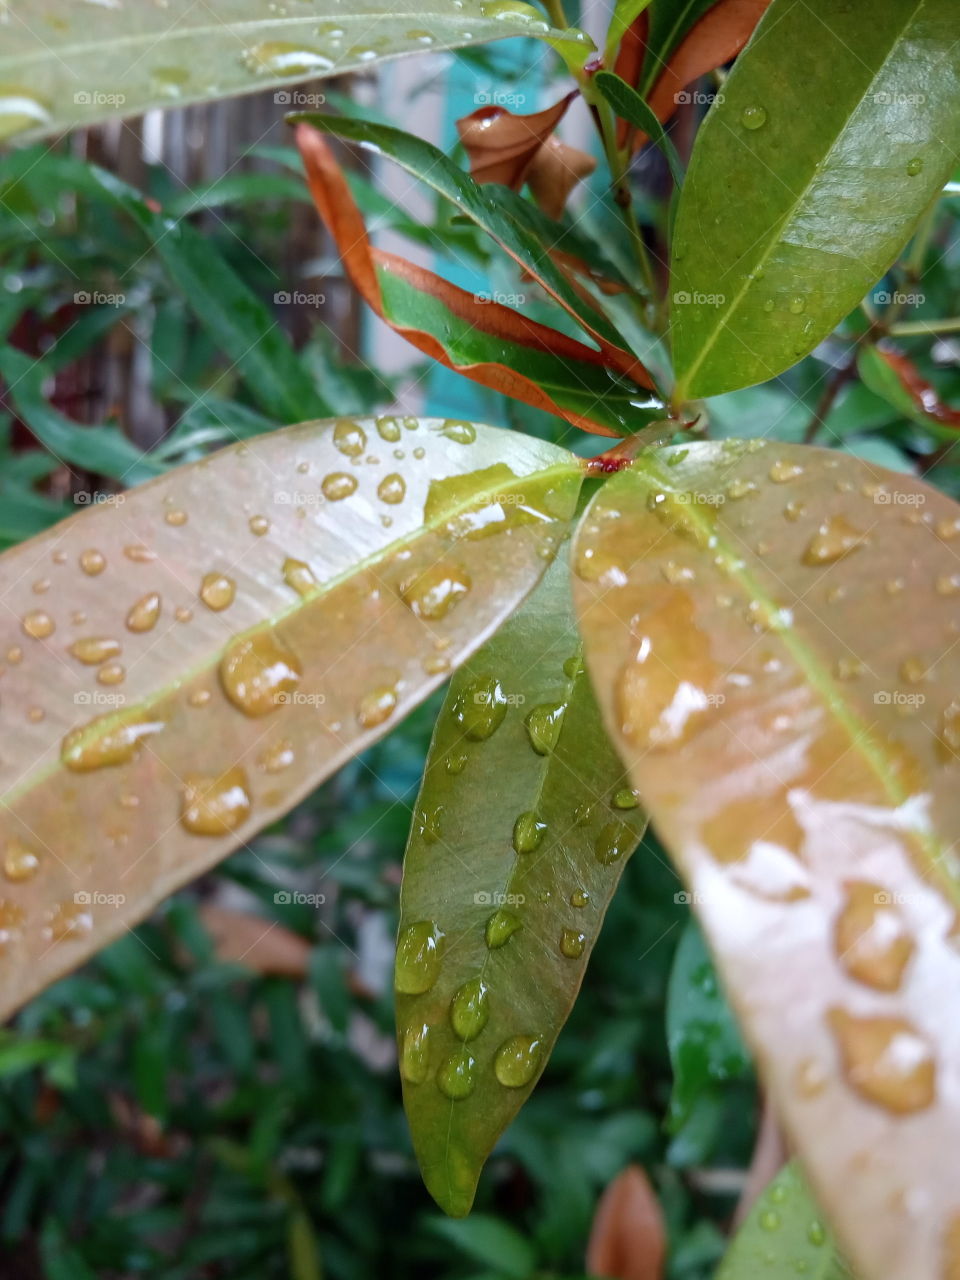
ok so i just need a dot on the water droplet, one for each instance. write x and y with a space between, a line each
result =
914 166
176 517
349 437
676 574
284 58
480 708
948 738
886 1060
298 575
92 650
470 1009
500 928
797 305
741 488
625 798
768 305
259 525
770 1220
20 110
215 806
258 673
376 706
106 741
111 673
834 539
456 763
612 842
580 898
783 471
816 1234
429 824
144 614
517 1060
457 1075
572 943
217 591
92 562
277 756
182 613
338 485
139 554
527 833
388 428
200 698
38 625
68 920
433 593
19 861
543 726
872 940
573 667
948 584
753 117
415 1053
392 489
914 670
459 431
793 511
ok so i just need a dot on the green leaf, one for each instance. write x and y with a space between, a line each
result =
771 631
520 833
249 623
631 107
670 20
514 223
489 1241
784 1235
807 179
880 376
625 13
704 1042
61 67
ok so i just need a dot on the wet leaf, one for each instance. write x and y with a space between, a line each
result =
184 664
840 160
488 342
501 145
772 635
520 832
705 1045
630 107
510 223
63 66
784 1235
891 374
628 1240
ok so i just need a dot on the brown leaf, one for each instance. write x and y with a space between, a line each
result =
629 63
259 944
501 146
719 36
924 395
557 168
628 1240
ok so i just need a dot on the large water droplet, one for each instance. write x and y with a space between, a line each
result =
284 58
433 593
572 943
215 806
457 1076
543 726
527 833
92 650
376 706
20 862
459 431
38 625
834 539
298 575
217 591
144 614
501 927
470 1009
106 740
914 166
872 940
415 1053
480 708
388 428
418 958
517 1060
349 437
92 562
753 117
258 673
392 488
338 485
783 471
612 842
886 1060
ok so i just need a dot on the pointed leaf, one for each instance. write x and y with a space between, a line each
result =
784 1235
772 635
183 664
511 223
61 66
894 376
629 106
628 1240
501 145
842 131
494 942
490 343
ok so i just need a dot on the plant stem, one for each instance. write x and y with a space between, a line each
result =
909 328
556 14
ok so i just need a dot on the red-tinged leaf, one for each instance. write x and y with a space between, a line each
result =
556 170
719 36
629 63
895 377
501 146
628 1239
258 944
527 360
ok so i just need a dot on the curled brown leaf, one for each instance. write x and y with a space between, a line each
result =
628 1238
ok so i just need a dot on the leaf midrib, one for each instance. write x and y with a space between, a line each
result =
135 710
774 235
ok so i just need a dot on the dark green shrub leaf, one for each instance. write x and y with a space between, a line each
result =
520 833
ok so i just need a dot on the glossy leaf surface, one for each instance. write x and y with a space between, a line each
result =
521 830
803 188
184 663
784 1235
894 376
63 65
772 632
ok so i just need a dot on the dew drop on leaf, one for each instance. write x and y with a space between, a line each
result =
527 833
480 708
886 1061
543 726
217 591
470 1009
258 673
106 741
783 471
516 1061
38 625
376 706
457 1076
579 898
92 650
418 958
572 943
338 485
259 525
298 575
753 117
349 437
500 928
415 1053
834 539
388 428
92 562
392 489
20 862
433 593
112 673
144 614
611 843
215 806
459 431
